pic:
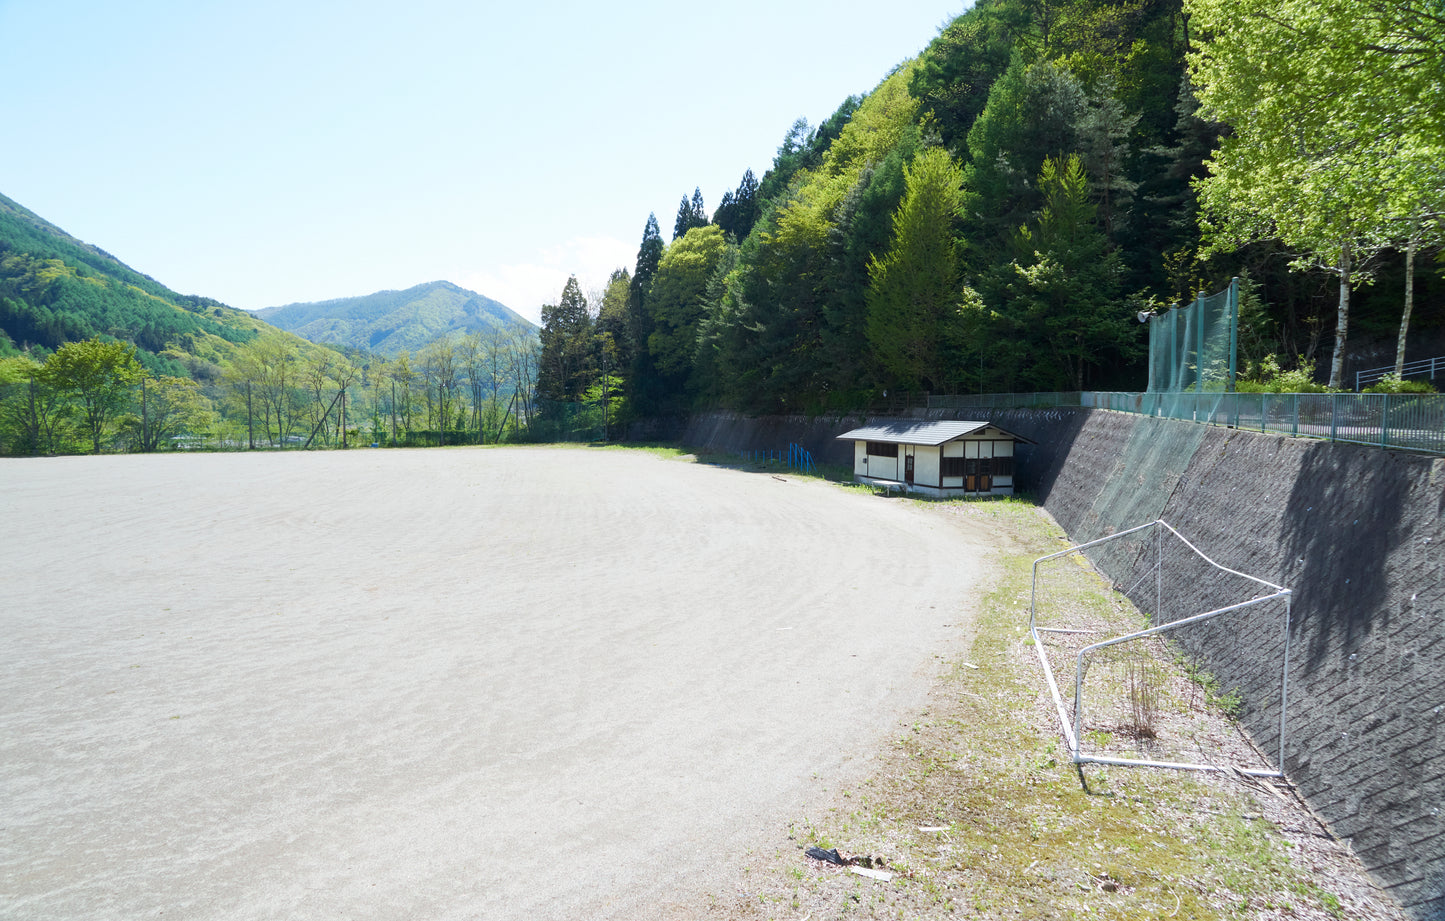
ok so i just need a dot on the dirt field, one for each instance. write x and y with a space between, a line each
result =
522 683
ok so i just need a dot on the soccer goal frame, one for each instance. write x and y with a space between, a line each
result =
1073 728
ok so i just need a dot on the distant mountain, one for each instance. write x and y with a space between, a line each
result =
392 321
56 289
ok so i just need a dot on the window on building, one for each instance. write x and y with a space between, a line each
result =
882 449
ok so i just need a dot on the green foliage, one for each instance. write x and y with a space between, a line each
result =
568 359
1337 141
98 376
676 303
169 408
1033 113
1267 376
916 293
1391 383
739 210
55 289
1059 296
690 214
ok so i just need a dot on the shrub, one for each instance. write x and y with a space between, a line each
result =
1391 383
1268 377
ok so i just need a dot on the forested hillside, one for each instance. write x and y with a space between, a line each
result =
996 213
95 357
56 289
389 322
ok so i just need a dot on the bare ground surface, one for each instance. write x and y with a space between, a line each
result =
973 810
524 683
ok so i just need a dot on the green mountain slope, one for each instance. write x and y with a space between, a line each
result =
392 321
56 289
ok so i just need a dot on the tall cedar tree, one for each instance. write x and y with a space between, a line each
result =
642 382
739 210
690 214
916 292
566 368
1060 315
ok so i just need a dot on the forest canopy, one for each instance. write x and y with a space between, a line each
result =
997 212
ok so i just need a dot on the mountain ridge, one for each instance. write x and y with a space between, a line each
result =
392 321
56 288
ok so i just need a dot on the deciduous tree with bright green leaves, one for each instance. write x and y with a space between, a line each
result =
1338 130
170 406
676 303
100 376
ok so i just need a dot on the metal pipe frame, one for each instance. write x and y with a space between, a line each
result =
1073 730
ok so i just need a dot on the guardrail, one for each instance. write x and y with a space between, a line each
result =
1404 421
1427 367
1411 422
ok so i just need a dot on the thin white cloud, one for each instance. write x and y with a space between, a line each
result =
526 286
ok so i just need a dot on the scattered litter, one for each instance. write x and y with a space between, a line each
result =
830 855
862 864
779 479
971 665
933 828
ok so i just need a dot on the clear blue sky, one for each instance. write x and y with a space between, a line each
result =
263 152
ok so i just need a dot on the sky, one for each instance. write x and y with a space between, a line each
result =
264 153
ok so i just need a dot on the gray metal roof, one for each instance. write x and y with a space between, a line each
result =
920 433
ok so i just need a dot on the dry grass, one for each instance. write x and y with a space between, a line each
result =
979 812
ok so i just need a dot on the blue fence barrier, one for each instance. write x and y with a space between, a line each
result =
796 457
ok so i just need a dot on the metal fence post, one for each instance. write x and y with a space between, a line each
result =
1233 311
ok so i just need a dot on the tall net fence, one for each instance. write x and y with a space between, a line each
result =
1194 347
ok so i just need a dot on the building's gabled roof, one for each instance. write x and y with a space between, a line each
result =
922 433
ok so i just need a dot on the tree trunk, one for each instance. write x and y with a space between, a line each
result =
1342 321
1409 303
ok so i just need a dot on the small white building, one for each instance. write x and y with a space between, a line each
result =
936 458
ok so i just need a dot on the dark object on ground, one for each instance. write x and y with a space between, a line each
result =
830 855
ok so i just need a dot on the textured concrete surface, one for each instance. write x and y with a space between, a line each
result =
523 683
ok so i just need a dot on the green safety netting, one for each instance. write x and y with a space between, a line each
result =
1193 348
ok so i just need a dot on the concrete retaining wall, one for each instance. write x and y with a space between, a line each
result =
1355 532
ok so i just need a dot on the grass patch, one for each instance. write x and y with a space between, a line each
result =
980 812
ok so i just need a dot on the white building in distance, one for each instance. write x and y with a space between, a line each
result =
936 458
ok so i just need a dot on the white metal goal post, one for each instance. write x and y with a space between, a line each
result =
1073 726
